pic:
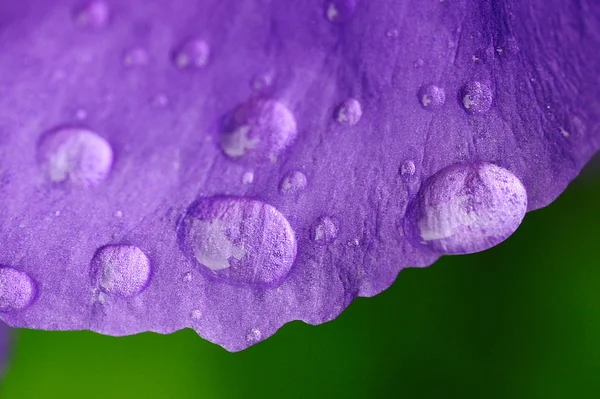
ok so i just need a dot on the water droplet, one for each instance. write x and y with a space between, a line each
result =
81 114
94 14
408 168
122 270
76 155
349 112
418 63
254 335
241 241
467 208
293 183
325 230
195 314
160 101
431 97
339 10
262 82
392 33
476 97
193 53
248 178
187 277
135 57
118 214
257 131
17 290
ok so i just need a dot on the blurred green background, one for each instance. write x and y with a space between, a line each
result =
519 321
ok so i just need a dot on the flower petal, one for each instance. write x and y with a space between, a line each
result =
230 166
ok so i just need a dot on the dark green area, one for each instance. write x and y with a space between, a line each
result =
519 321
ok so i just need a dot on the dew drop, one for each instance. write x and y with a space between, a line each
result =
76 155
408 168
195 314
431 97
248 178
17 290
122 270
293 182
258 131
192 53
476 97
238 240
135 57
325 230
187 277
466 208
254 335
160 101
349 112
94 14
339 10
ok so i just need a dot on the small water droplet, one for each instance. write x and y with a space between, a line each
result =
476 97
76 155
135 57
564 132
257 131
466 208
195 314
349 112
57 213
431 97
17 290
192 53
118 214
408 168
262 82
160 101
81 114
248 178
325 230
339 10
293 183
93 14
122 270
392 33
254 335
187 277
418 63
241 241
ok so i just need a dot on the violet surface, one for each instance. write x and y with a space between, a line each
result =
322 123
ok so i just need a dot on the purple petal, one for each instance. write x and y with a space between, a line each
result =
230 166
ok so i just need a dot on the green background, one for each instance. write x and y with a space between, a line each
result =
519 321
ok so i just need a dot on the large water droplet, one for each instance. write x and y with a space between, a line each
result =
476 97
467 208
349 112
258 131
192 53
122 270
431 97
339 10
293 183
241 241
93 14
408 168
325 230
76 155
17 290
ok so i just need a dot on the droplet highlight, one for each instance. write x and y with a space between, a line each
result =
192 53
466 208
349 112
17 290
122 270
258 131
408 168
94 14
293 182
325 230
431 97
240 241
79 156
337 11
476 97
